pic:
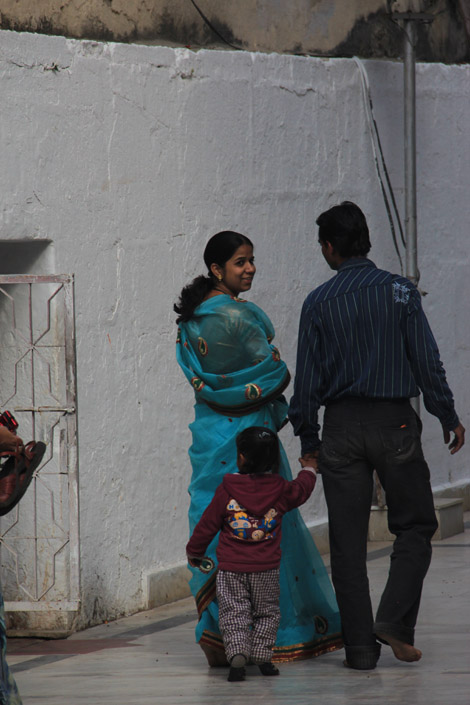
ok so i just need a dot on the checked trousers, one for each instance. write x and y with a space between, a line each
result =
249 613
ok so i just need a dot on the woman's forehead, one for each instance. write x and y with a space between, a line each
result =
243 251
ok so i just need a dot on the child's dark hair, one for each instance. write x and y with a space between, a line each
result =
260 449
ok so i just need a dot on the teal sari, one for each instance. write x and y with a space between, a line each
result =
238 377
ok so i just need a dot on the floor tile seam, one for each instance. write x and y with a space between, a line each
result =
449 545
176 620
155 627
163 625
38 662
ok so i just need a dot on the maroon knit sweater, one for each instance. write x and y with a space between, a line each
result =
248 511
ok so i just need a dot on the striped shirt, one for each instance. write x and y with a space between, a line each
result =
364 334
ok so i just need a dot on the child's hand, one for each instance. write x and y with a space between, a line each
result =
309 460
194 562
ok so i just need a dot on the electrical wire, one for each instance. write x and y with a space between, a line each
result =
380 165
209 24
385 183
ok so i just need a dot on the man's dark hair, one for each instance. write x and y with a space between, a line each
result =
260 449
345 227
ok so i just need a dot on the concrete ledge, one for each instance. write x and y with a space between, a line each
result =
460 491
449 513
321 537
378 525
50 624
167 585
171 584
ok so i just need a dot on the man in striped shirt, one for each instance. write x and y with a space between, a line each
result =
365 348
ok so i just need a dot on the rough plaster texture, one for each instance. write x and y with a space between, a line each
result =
126 159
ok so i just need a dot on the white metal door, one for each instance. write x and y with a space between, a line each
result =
39 539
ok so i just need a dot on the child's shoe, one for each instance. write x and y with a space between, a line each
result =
237 668
268 669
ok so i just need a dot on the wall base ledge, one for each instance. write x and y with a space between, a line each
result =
165 585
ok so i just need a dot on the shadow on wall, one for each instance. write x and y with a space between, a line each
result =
24 257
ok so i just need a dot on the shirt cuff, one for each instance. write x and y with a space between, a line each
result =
310 469
309 444
450 422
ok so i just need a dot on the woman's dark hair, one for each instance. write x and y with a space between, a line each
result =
260 448
220 248
345 227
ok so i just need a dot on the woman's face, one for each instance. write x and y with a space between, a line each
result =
238 272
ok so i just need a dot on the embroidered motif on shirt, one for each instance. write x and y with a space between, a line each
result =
401 293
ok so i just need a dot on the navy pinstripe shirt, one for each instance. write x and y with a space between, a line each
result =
364 334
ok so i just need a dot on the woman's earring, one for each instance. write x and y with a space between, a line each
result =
219 277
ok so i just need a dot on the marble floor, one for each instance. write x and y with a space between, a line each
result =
151 659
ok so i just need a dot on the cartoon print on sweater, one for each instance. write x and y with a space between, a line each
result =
258 535
248 528
233 506
269 522
240 523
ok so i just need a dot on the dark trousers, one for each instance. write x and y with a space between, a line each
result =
359 436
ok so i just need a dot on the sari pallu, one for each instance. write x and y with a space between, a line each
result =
238 377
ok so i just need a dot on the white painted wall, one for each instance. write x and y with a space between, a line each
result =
128 158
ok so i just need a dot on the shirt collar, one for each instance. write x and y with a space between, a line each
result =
354 262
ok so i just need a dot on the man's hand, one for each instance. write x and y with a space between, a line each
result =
9 440
309 460
458 440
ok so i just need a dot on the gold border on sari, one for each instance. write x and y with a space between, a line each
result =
284 654
206 594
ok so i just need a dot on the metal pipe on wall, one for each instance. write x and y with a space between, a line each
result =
411 233
410 152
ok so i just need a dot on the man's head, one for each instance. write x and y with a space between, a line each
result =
343 233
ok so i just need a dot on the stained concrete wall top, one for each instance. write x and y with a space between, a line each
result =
365 28
124 159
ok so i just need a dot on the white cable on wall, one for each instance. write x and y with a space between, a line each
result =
380 165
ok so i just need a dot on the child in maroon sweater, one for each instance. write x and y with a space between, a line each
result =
247 509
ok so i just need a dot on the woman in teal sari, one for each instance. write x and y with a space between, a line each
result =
225 349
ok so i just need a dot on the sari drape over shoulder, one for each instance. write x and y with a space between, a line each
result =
238 377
